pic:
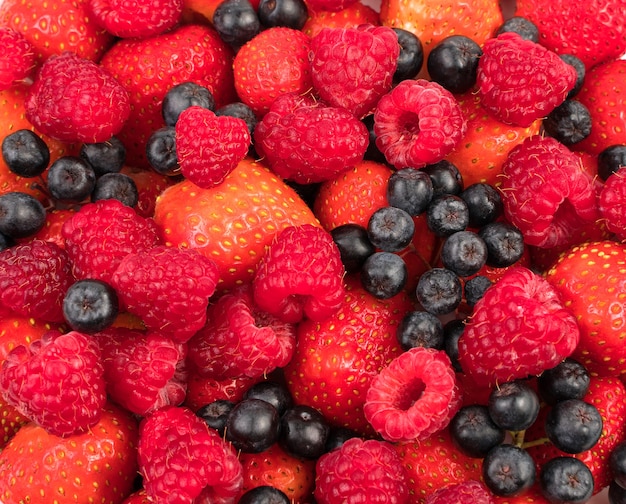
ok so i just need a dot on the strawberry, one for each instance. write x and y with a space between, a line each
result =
591 280
56 26
433 20
275 467
351 16
98 466
234 222
148 68
336 360
55 218
149 184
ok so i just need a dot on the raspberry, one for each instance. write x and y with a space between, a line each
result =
306 142
301 274
17 59
520 81
467 492
76 100
57 382
518 328
418 123
136 19
168 288
240 339
101 234
208 146
415 396
163 379
612 203
182 460
34 278
353 67
545 192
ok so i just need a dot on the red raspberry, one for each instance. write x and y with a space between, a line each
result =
467 492
612 203
34 278
518 328
17 60
307 142
415 396
168 288
301 274
353 67
240 340
545 191
183 461
101 234
76 100
358 470
57 382
126 352
208 146
328 5
136 19
418 123
520 81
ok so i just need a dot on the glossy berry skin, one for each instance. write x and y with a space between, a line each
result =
183 96
216 413
252 426
522 26
71 179
354 245
453 63
581 71
384 274
504 242
610 160
513 406
569 123
445 177
161 152
483 202
568 380
508 470
21 215
303 432
241 111
447 214
410 189
439 291
25 153
288 13
411 56
264 495
464 253
475 288
617 463
452 331
573 425
617 493
566 479
90 306
117 186
236 22
474 431
420 329
104 157
390 229
272 392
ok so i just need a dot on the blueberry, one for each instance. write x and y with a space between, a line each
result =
264 494
446 215
566 479
617 493
104 157
474 432
508 470
513 406
411 57
161 151
390 229
241 111
617 463
505 243
236 22
181 97
117 186
6 242
420 329
453 63
372 153
452 332
567 380
581 71
25 153
611 160
90 306
464 253
338 436
410 189
304 432
21 215
71 179
439 291
289 13
475 289
568 123
354 246
252 426
384 275
573 425
446 178
272 392
215 414
525 28
484 203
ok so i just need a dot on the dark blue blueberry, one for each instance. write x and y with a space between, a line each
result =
289 13
513 406
447 214
71 179
252 426
277 394
484 203
420 329
338 436
21 215
446 178
161 151
410 189
508 470
452 331
236 22
453 63
117 186
216 414
566 480
182 96
573 425
617 463
474 432
384 274
354 246
25 153
390 229
264 494
104 157
525 28
439 291
411 57
569 123
304 432
90 306
610 160
241 111
505 243
567 380
464 252
475 289
581 71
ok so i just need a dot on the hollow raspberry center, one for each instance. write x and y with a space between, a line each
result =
409 126
409 394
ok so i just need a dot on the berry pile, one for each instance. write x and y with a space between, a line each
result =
310 251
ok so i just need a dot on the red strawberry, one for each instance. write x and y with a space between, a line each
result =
66 402
51 232
277 468
603 95
134 19
520 81
56 26
593 31
150 185
148 68
18 58
273 63
99 465
138 497
524 304
351 16
336 360
591 280
232 223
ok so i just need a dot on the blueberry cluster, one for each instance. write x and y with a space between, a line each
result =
495 433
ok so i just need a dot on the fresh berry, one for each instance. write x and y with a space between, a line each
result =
617 463
566 479
507 61
358 470
25 153
287 13
240 339
21 215
18 59
75 100
464 253
351 16
118 186
569 123
354 246
136 20
445 177
513 405
236 22
508 470
174 444
523 302
420 329
524 27
90 306
505 244
411 131
304 432
384 275
546 213
71 179
411 57
328 5
410 189
611 202
104 157
468 492
252 426
183 96
611 160
453 63
352 68
274 392
573 425
439 291
161 152
567 380
581 72
65 402
474 431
